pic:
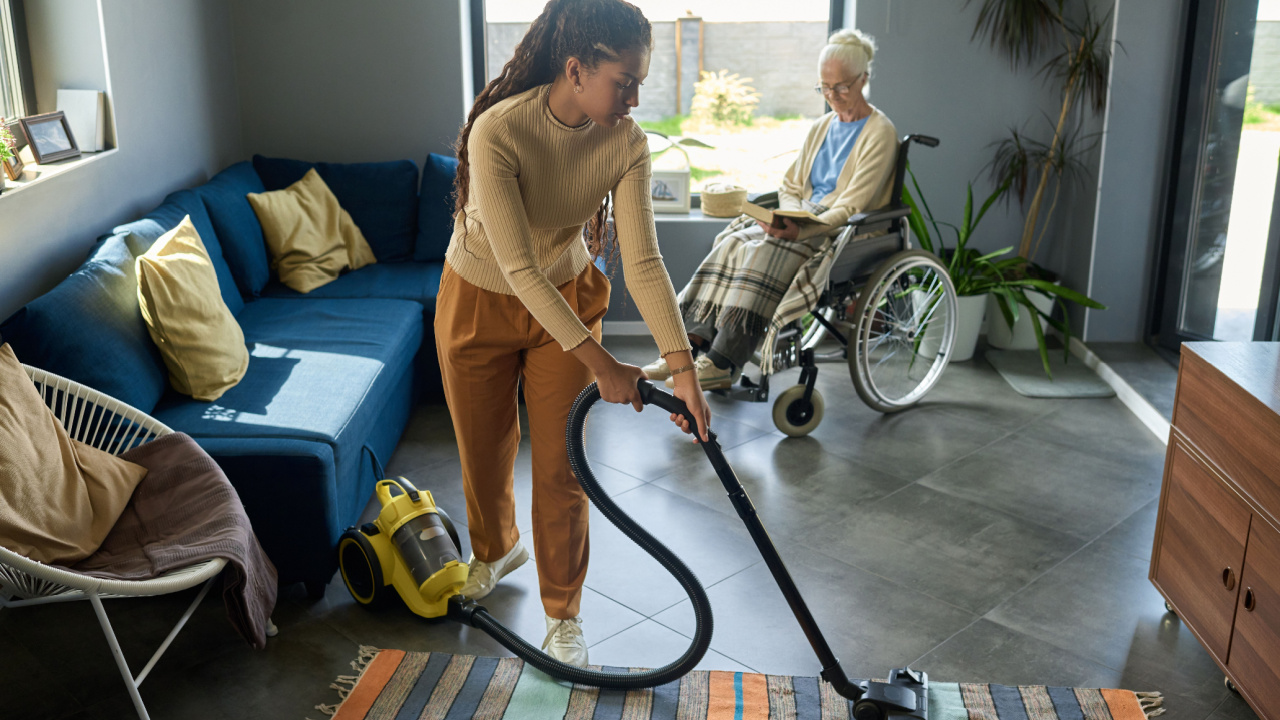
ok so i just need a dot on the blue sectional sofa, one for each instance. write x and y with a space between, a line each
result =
333 375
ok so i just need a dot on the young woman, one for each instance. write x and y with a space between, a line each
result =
546 144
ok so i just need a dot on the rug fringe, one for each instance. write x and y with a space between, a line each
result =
344 684
1152 703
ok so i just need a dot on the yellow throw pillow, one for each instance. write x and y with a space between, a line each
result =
59 497
199 338
310 238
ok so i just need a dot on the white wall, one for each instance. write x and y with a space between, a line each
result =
177 123
332 80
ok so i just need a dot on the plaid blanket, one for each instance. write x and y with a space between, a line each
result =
748 276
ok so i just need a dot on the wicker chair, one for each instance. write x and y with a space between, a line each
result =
107 424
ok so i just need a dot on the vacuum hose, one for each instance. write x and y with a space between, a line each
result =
467 611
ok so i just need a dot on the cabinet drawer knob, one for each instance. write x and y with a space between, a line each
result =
1228 578
1250 602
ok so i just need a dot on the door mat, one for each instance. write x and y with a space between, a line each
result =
1024 372
393 684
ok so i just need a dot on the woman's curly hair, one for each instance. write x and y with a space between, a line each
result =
593 31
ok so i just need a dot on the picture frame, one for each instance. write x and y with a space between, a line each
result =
49 137
669 191
13 166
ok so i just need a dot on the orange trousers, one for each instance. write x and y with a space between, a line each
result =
488 343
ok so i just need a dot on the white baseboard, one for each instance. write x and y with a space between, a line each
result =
625 327
1138 405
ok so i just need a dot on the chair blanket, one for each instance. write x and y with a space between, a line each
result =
185 512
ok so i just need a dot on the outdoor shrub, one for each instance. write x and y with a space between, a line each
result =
721 98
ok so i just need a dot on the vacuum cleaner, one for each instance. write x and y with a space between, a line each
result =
413 548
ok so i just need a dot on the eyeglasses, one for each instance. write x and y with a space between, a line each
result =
841 89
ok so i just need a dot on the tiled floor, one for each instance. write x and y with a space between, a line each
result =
982 536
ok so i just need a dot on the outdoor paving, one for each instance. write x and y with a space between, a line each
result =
982 536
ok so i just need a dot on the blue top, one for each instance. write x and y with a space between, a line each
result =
832 155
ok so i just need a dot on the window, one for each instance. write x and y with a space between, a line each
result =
12 104
737 76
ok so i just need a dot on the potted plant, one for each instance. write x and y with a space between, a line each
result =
973 274
977 276
1022 30
7 145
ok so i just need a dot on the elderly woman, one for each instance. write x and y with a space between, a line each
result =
845 167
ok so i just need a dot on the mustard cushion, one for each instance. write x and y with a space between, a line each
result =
310 238
59 497
199 339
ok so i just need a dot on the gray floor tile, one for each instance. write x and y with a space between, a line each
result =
1070 490
986 652
1135 534
35 680
1099 604
1234 708
651 645
870 623
959 551
1145 371
1103 427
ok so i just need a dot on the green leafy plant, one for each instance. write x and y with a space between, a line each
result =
1009 279
1081 60
723 98
7 144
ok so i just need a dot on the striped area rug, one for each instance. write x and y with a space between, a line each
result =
398 685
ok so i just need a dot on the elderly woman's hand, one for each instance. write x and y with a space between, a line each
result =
790 229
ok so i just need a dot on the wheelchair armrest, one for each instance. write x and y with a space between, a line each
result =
765 200
878 216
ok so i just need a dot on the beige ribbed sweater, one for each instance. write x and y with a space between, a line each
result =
865 182
535 182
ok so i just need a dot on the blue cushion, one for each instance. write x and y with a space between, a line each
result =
237 225
435 207
140 234
381 197
89 329
403 281
319 369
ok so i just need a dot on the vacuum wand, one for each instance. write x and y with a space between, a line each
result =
904 695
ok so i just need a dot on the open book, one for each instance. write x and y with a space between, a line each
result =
774 217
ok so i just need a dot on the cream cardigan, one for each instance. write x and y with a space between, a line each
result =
865 181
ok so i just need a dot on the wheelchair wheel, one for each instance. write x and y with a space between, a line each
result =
361 569
795 416
903 332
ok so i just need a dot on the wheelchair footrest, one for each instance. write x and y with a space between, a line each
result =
746 390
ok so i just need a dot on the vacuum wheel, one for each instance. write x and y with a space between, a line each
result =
794 415
361 569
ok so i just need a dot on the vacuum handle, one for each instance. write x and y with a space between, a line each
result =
651 395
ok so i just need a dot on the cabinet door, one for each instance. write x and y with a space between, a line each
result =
1201 533
1255 645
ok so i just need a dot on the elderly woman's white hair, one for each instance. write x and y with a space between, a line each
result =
853 48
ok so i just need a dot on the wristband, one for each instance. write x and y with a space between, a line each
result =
679 370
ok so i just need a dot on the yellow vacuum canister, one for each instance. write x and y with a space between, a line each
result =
412 547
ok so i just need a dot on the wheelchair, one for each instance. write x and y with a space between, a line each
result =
891 308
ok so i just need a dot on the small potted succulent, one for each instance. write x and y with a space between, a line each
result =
8 150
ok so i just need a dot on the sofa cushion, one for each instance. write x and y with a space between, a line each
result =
237 227
319 369
88 328
310 238
381 197
435 207
140 234
200 341
403 281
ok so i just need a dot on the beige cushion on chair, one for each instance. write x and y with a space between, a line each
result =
58 496
199 339
310 238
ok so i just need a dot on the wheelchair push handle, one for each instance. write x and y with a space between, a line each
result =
926 140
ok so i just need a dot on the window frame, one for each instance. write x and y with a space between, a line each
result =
16 89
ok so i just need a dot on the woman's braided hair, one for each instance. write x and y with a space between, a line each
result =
593 31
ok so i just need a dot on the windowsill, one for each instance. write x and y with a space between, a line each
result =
33 174
694 215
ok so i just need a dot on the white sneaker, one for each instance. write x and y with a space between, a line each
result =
565 642
483 576
710 376
657 370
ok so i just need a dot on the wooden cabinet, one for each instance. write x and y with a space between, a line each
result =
1217 547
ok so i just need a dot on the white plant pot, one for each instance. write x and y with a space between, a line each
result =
1022 336
972 310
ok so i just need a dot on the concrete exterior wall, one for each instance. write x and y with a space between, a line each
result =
780 58
177 122
1264 72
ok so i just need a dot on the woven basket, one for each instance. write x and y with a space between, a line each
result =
723 202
